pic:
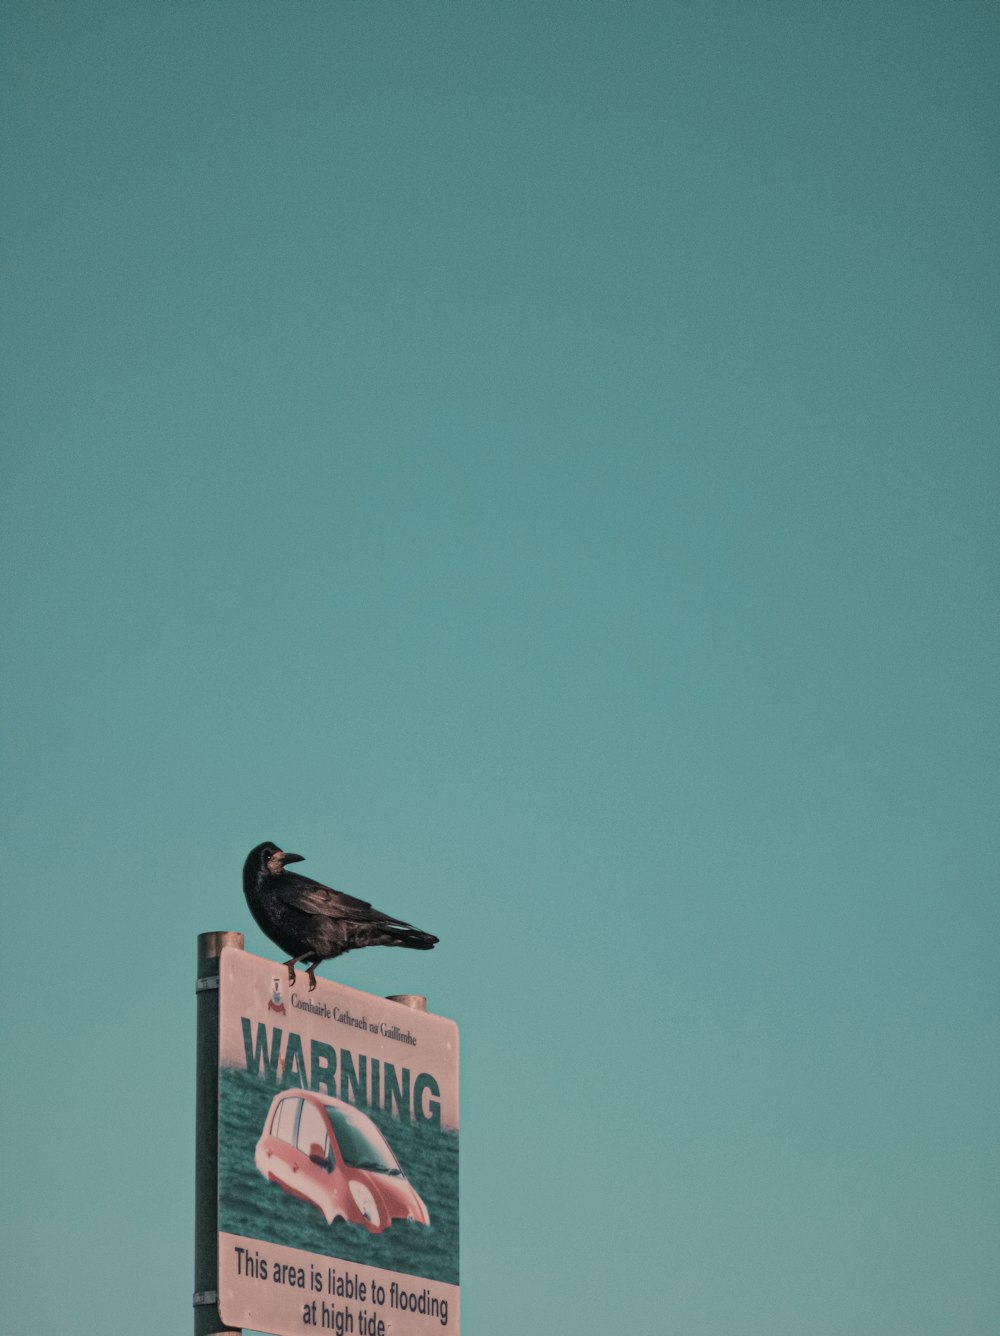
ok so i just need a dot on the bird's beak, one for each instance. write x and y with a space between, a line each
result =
292 858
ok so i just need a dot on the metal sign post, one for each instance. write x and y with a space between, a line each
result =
206 1162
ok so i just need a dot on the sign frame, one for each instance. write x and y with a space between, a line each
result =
336 1166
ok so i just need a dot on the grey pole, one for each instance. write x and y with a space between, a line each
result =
206 1156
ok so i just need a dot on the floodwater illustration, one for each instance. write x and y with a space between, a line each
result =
252 1207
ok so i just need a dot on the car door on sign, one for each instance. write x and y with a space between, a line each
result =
313 1141
285 1164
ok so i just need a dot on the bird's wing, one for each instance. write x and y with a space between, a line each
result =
312 897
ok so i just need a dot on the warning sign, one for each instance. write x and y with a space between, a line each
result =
338 1158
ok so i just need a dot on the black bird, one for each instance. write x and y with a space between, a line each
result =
314 922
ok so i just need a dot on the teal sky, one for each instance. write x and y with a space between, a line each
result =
538 461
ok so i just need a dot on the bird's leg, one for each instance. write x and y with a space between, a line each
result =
290 966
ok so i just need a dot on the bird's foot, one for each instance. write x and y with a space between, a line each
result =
290 966
312 977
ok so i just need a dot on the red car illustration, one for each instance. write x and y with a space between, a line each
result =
329 1153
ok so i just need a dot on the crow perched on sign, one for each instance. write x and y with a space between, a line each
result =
312 921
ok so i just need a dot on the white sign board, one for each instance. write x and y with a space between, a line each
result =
338 1158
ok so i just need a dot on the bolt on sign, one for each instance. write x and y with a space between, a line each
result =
338 1158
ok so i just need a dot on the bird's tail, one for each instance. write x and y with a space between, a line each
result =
390 932
404 935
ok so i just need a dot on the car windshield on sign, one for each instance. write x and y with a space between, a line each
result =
362 1147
